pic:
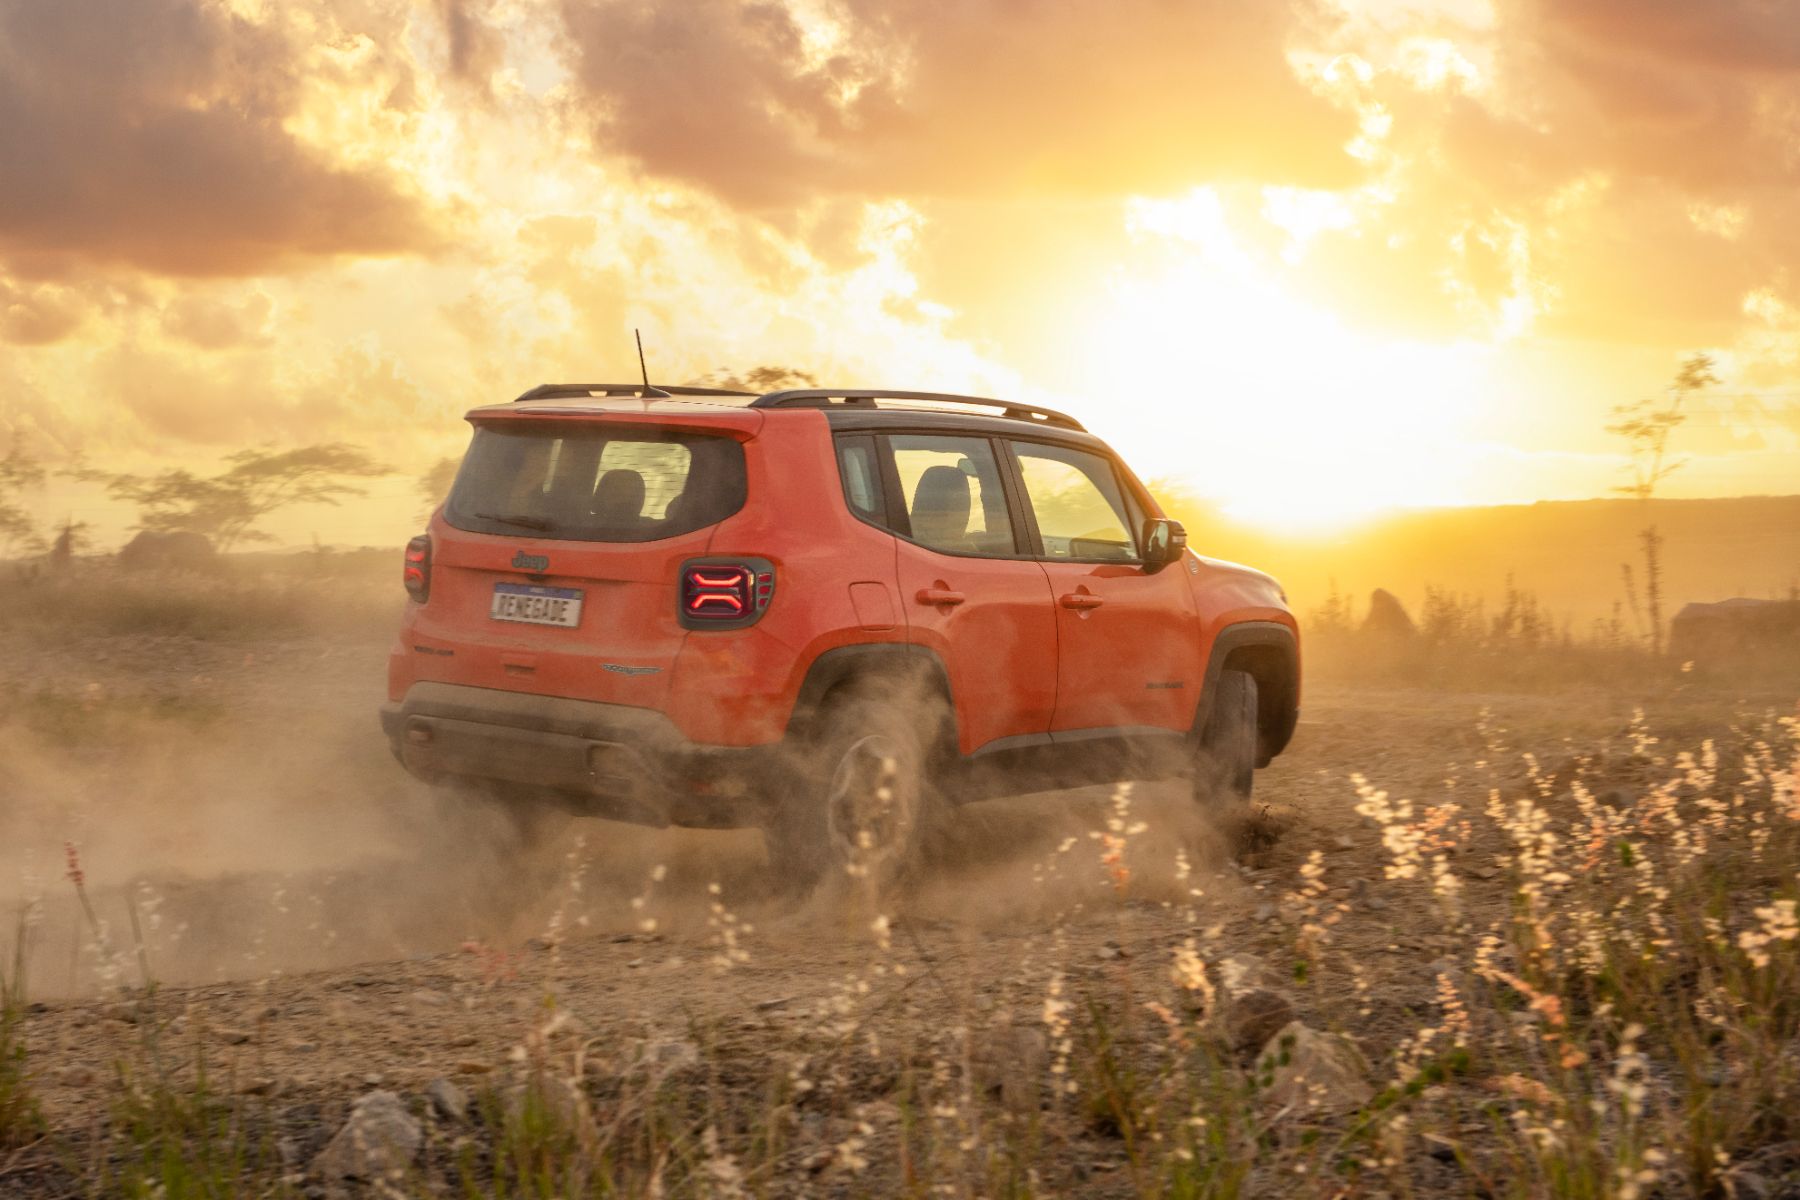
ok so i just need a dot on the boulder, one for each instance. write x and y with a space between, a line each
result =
447 1100
1011 1063
1313 1072
1253 1017
378 1142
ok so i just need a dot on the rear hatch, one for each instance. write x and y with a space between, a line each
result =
555 561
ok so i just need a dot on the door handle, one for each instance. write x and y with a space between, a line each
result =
942 596
1081 600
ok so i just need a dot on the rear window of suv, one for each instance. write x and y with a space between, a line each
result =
594 483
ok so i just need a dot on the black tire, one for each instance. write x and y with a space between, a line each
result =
862 801
1225 760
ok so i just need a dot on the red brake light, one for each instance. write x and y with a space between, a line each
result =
721 592
417 573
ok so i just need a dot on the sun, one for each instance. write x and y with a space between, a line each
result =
1211 372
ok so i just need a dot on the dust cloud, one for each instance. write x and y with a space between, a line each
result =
279 836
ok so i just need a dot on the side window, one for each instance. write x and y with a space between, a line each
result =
1075 497
862 481
953 495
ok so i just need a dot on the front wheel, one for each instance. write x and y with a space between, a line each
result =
1225 760
861 803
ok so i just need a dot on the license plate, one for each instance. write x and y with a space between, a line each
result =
536 605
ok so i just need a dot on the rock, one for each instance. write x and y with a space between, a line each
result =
447 1100
1011 1063
1251 1018
668 1055
1244 972
1344 841
1375 904
1439 1147
545 1096
232 1037
469 1066
379 1141
1108 952
1316 1072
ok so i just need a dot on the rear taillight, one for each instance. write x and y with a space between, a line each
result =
418 568
725 593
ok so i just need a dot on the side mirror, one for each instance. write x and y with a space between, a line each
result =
1164 542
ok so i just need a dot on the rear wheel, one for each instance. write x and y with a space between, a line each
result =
862 801
1225 760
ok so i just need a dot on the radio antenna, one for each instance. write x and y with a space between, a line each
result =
649 391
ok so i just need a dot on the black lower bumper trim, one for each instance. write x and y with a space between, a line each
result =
606 759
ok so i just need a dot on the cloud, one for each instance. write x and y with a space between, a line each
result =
36 315
150 134
915 99
476 48
215 324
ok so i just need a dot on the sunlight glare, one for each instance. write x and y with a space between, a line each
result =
1270 406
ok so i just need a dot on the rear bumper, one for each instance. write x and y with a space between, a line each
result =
609 760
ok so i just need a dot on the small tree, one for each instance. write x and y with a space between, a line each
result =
19 472
1646 426
226 507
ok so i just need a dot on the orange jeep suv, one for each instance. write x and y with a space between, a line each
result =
823 613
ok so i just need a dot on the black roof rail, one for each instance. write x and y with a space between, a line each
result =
563 391
866 398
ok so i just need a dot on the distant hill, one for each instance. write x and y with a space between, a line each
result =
1567 552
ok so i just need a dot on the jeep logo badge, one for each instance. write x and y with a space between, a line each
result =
531 562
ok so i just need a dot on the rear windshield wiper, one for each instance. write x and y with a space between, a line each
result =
537 523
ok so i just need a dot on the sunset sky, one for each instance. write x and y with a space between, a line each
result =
1314 259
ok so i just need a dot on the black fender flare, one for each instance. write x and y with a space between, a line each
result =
1270 652
843 665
